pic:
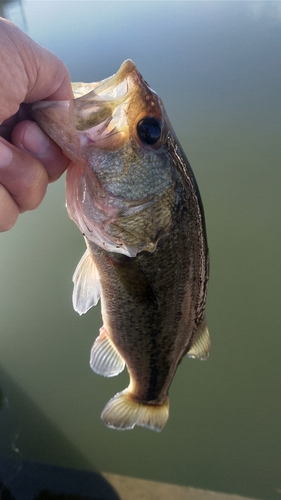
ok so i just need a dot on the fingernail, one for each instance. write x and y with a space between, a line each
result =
35 141
6 155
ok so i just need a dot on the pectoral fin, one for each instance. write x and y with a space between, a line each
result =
105 359
86 291
200 345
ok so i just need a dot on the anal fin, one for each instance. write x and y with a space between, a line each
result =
123 412
105 359
86 290
200 345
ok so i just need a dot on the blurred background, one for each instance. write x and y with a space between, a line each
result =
217 67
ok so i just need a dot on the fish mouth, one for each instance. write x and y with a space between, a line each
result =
106 99
101 112
114 106
113 87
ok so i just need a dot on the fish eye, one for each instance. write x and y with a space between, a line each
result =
149 130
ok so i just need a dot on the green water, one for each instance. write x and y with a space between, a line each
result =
217 67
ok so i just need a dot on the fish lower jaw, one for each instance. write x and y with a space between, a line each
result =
124 411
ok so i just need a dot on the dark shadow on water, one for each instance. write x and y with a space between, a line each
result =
35 481
29 443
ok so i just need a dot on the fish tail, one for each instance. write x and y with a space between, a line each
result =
123 412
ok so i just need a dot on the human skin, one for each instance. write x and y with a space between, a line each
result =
29 159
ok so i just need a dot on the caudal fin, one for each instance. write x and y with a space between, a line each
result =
124 412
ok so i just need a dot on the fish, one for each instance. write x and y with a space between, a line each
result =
133 195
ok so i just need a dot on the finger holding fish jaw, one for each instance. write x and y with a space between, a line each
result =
30 138
23 181
27 165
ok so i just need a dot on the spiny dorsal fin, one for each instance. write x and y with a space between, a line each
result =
105 359
86 290
124 412
200 345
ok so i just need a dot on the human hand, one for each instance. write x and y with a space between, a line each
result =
29 159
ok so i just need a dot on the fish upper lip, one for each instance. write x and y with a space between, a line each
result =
113 88
107 103
114 81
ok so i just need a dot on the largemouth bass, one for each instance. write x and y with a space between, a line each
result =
134 197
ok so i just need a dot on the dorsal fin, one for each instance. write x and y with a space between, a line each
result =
86 290
200 345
